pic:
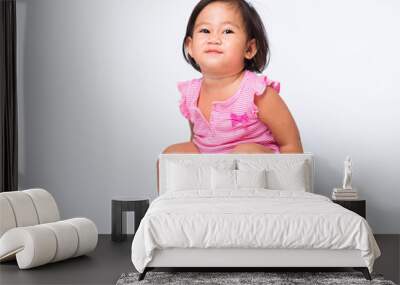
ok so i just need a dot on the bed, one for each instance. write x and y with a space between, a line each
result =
247 210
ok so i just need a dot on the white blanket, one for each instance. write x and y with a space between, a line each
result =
251 218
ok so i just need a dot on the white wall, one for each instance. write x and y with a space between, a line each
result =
98 99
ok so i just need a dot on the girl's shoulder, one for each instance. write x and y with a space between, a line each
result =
259 83
187 87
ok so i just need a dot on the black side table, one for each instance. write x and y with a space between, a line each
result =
357 206
119 207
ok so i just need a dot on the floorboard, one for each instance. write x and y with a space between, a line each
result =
111 259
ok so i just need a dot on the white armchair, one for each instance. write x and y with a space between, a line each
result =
32 233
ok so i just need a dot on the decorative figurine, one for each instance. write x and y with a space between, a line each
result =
347 174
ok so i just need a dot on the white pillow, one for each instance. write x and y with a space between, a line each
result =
186 174
288 178
223 179
251 178
281 174
237 179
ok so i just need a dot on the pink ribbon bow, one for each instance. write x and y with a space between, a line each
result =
239 119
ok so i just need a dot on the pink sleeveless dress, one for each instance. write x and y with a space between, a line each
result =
233 121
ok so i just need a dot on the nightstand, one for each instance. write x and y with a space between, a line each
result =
357 206
119 207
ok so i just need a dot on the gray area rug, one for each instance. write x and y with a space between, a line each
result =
225 278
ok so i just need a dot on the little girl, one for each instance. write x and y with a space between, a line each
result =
231 109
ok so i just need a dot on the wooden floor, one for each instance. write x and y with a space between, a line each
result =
111 259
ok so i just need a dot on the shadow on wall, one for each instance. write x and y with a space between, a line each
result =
325 172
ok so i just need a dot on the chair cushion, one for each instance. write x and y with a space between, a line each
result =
27 208
7 215
40 244
45 205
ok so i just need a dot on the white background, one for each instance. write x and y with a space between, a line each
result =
98 99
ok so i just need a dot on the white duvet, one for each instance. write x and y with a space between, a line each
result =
250 218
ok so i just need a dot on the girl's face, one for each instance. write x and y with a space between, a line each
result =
219 44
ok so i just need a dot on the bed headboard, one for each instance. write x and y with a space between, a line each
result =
270 158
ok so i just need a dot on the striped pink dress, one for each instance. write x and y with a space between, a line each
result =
233 121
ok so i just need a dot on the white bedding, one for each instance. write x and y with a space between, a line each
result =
250 218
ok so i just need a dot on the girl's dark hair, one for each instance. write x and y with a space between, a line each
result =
254 29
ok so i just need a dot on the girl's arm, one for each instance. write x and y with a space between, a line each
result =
273 112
